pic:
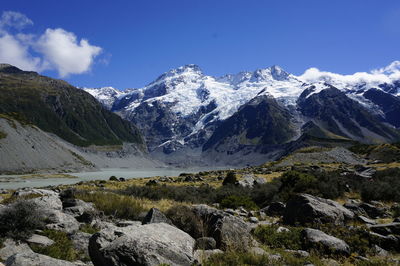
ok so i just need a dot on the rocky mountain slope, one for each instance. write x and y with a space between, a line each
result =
49 125
185 112
57 107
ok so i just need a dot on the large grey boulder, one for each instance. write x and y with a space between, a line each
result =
229 231
10 247
34 259
313 238
60 221
156 216
149 244
307 209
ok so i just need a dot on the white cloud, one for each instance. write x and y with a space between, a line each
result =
14 20
377 76
63 51
13 52
55 49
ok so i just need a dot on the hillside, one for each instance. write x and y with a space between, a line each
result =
57 107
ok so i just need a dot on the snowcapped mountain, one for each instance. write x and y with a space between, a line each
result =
105 95
184 108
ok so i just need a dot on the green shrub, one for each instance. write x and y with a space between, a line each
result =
62 248
385 186
184 218
269 236
119 206
20 219
235 202
230 179
113 178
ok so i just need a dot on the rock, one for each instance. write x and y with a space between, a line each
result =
40 240
48 202
386 229
274 209
60 221
253 220
201 256
374 211
125 223
389 242
34 259
149 244
36 191
231 211
378 251
80 241
258 251
259 181
275 257
10 247
305 209
355 207
282 229
366 220
83 212
228 231
298 253
317 239
205 243
366 172
156 216
247 181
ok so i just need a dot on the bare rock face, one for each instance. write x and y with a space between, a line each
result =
34 259
317 239
11 248
156 216
307 209
150 244
229 231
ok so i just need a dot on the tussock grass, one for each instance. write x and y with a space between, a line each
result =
119 206
62 248
124 206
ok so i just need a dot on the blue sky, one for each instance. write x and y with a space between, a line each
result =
141 39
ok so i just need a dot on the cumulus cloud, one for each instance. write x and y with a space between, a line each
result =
63 51
55 49
14 52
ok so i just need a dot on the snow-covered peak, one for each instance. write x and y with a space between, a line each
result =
105 95
190 70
